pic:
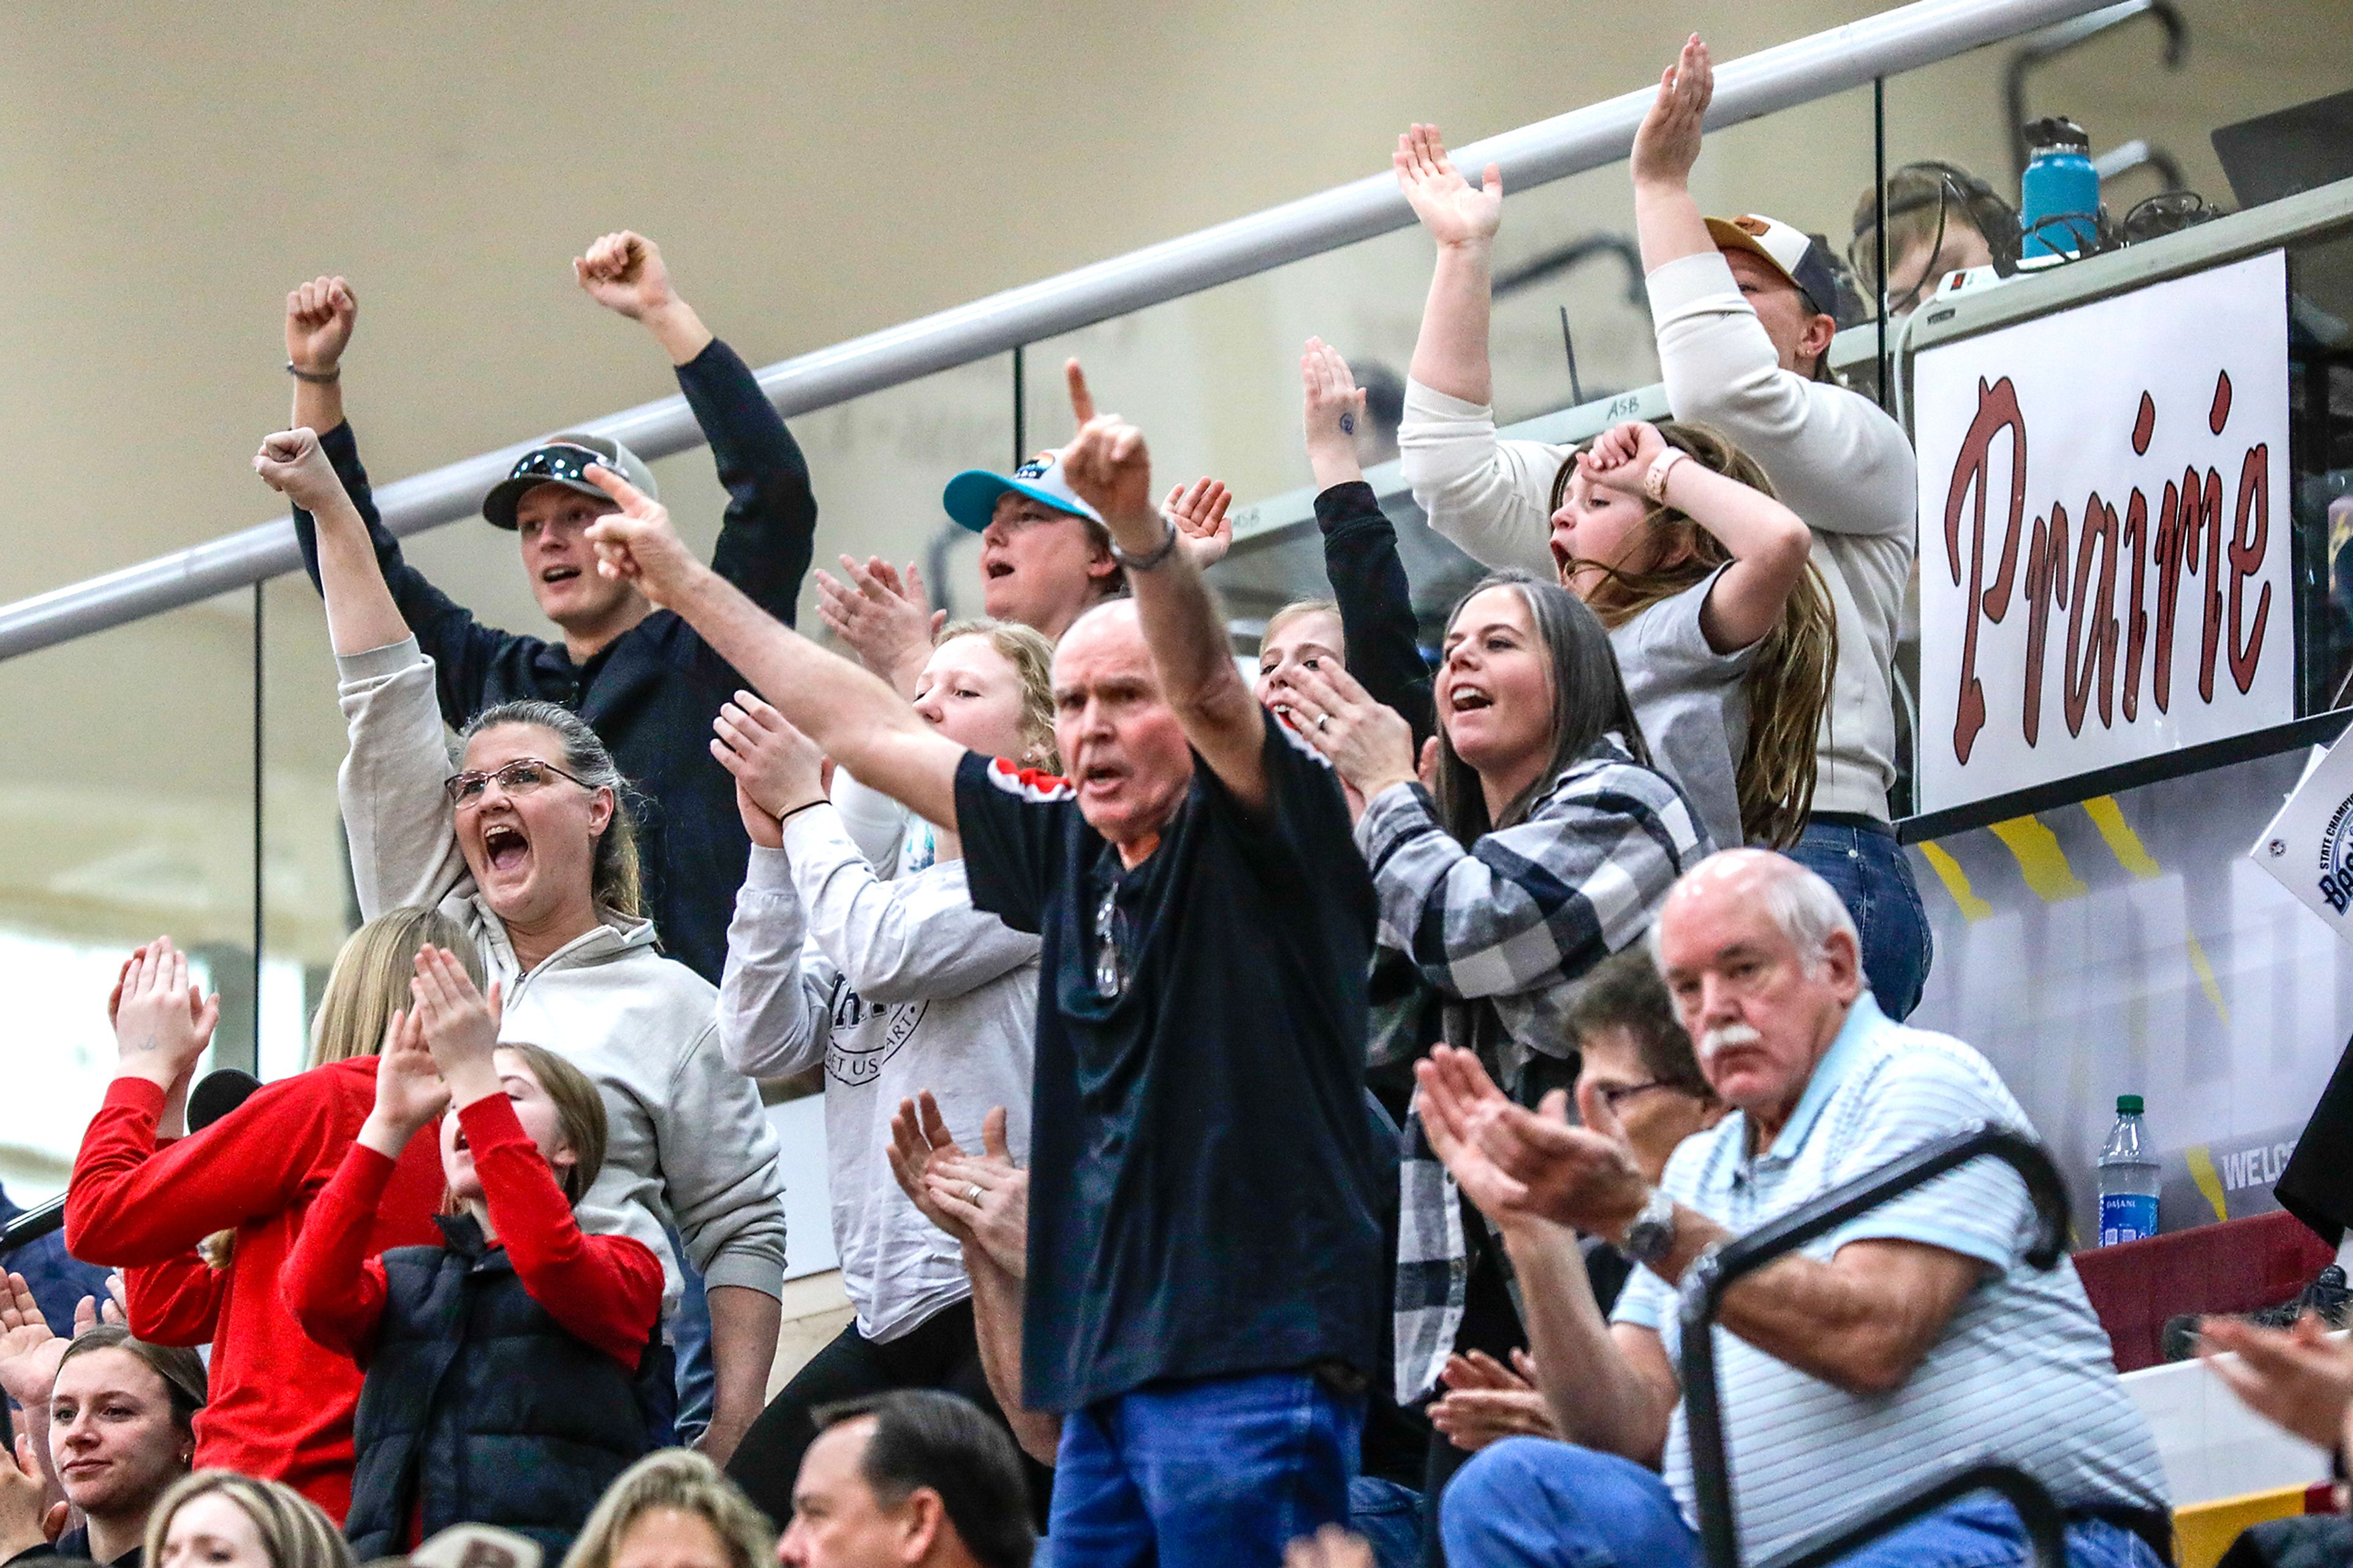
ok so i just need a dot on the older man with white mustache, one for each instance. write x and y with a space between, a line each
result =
1912 1339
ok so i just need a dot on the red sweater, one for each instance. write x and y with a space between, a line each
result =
605 1290
280 1405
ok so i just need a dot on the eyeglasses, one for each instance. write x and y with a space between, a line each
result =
1618 1094
1111 953
563 461
520 777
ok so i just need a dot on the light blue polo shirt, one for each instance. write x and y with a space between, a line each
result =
2024 1373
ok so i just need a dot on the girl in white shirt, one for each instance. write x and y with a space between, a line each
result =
895 987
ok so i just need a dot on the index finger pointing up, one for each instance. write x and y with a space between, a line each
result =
1082 403
614 485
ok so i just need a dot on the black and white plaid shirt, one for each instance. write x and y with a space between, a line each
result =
1515 922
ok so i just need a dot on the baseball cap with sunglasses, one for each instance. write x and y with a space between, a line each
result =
565 460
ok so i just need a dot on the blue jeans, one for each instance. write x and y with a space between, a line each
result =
690 1338
1874 880
1388 1516
1527 1502
1223 1470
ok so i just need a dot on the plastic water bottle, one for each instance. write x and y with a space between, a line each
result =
2059 194
2128 1179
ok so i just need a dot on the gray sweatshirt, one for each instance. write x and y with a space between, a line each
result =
687 1142
897 986
1834 456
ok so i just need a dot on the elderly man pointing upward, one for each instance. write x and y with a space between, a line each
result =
1909 1341
1206 1289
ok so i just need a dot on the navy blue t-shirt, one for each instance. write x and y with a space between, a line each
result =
1203 1194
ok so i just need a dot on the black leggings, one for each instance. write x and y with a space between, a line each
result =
941 1352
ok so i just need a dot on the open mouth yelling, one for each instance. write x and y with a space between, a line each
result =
554 574
1100 778
505 847
1468 700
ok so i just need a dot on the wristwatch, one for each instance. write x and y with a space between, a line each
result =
1153 557
1654 481
1652 1235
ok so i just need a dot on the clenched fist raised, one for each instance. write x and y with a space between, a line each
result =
319 319
623 272
291 463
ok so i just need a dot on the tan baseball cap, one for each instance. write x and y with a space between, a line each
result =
1786 250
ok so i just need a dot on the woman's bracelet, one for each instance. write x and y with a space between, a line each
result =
315 377
783 817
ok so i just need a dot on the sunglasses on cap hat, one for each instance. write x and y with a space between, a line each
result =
561 461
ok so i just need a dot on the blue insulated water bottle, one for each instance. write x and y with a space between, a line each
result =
2059 195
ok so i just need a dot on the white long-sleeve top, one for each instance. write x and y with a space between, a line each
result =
686 1138
1835 458
897 987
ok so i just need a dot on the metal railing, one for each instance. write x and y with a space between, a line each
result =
1783 77
1703 1298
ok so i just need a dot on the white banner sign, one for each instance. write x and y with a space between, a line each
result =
2104 534
2309 845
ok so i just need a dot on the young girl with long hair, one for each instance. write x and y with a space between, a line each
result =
514 1371
144 1197
1723 632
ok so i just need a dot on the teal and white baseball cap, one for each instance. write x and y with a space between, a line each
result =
971 497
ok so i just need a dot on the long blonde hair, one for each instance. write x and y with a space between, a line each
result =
370 980
368 984
293 1531
1789 686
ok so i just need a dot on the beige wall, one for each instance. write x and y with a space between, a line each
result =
814 173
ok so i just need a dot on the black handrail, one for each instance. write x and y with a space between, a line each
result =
1702 1296
34 1224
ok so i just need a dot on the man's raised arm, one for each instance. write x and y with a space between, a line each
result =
1108 466
859 720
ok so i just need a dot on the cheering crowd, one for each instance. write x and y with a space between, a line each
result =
1095 939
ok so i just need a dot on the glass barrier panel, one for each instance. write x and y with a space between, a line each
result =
126 798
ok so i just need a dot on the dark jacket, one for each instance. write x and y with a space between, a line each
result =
479 1407
1369 584
653 692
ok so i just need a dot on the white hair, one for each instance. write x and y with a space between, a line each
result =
1804 908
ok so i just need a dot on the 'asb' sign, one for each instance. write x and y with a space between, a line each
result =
2103 534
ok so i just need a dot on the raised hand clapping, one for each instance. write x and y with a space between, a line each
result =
163 1022
459 1023
1199 511
1667 144
409 1092
1455 211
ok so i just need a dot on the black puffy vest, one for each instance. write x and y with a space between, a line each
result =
480 1407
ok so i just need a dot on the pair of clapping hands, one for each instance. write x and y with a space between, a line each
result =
980 1199
436 1050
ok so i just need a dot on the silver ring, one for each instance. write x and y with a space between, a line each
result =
1322 721
972 1194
